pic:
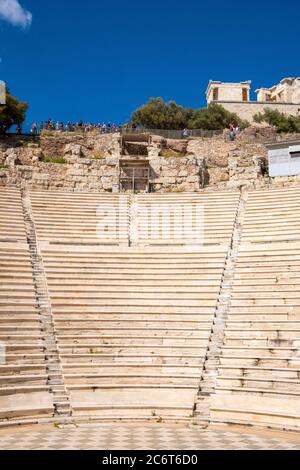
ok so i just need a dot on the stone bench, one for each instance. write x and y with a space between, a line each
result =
261 325
256 391
117 331
260 372
261 411
25 358
142 379
106 325
263 361
167 357
272 352
128 340
116 348
114 412
272 385
15 414
122 310
35 379
134 316
118 368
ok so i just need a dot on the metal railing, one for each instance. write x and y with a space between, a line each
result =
173 134
166 133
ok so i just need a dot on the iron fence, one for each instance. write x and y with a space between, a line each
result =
173 134
166 133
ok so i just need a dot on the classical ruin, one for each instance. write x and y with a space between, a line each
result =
235 97
287 91
218 91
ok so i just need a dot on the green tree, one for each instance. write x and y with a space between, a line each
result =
12 113
156 114
282 122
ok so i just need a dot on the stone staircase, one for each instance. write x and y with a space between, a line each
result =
212 359
54 371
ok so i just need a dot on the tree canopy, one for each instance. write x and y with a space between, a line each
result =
12 113
156 114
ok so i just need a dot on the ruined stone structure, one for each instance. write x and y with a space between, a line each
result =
235 97
218 91
95 162
287 91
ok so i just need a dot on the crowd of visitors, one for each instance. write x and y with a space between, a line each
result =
59 126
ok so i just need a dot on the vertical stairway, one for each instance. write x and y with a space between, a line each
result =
133 223
212 360
62 407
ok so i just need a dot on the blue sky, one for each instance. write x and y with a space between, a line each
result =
96 60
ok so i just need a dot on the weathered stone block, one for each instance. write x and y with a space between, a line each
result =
218 175
112 161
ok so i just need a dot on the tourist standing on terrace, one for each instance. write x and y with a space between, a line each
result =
232 131
34 129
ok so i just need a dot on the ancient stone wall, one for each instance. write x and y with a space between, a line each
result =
56 161
90 162
246 110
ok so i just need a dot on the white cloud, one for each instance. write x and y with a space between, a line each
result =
14 13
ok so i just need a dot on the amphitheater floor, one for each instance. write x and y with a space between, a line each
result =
145 437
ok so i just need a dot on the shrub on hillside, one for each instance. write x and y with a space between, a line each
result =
282 122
